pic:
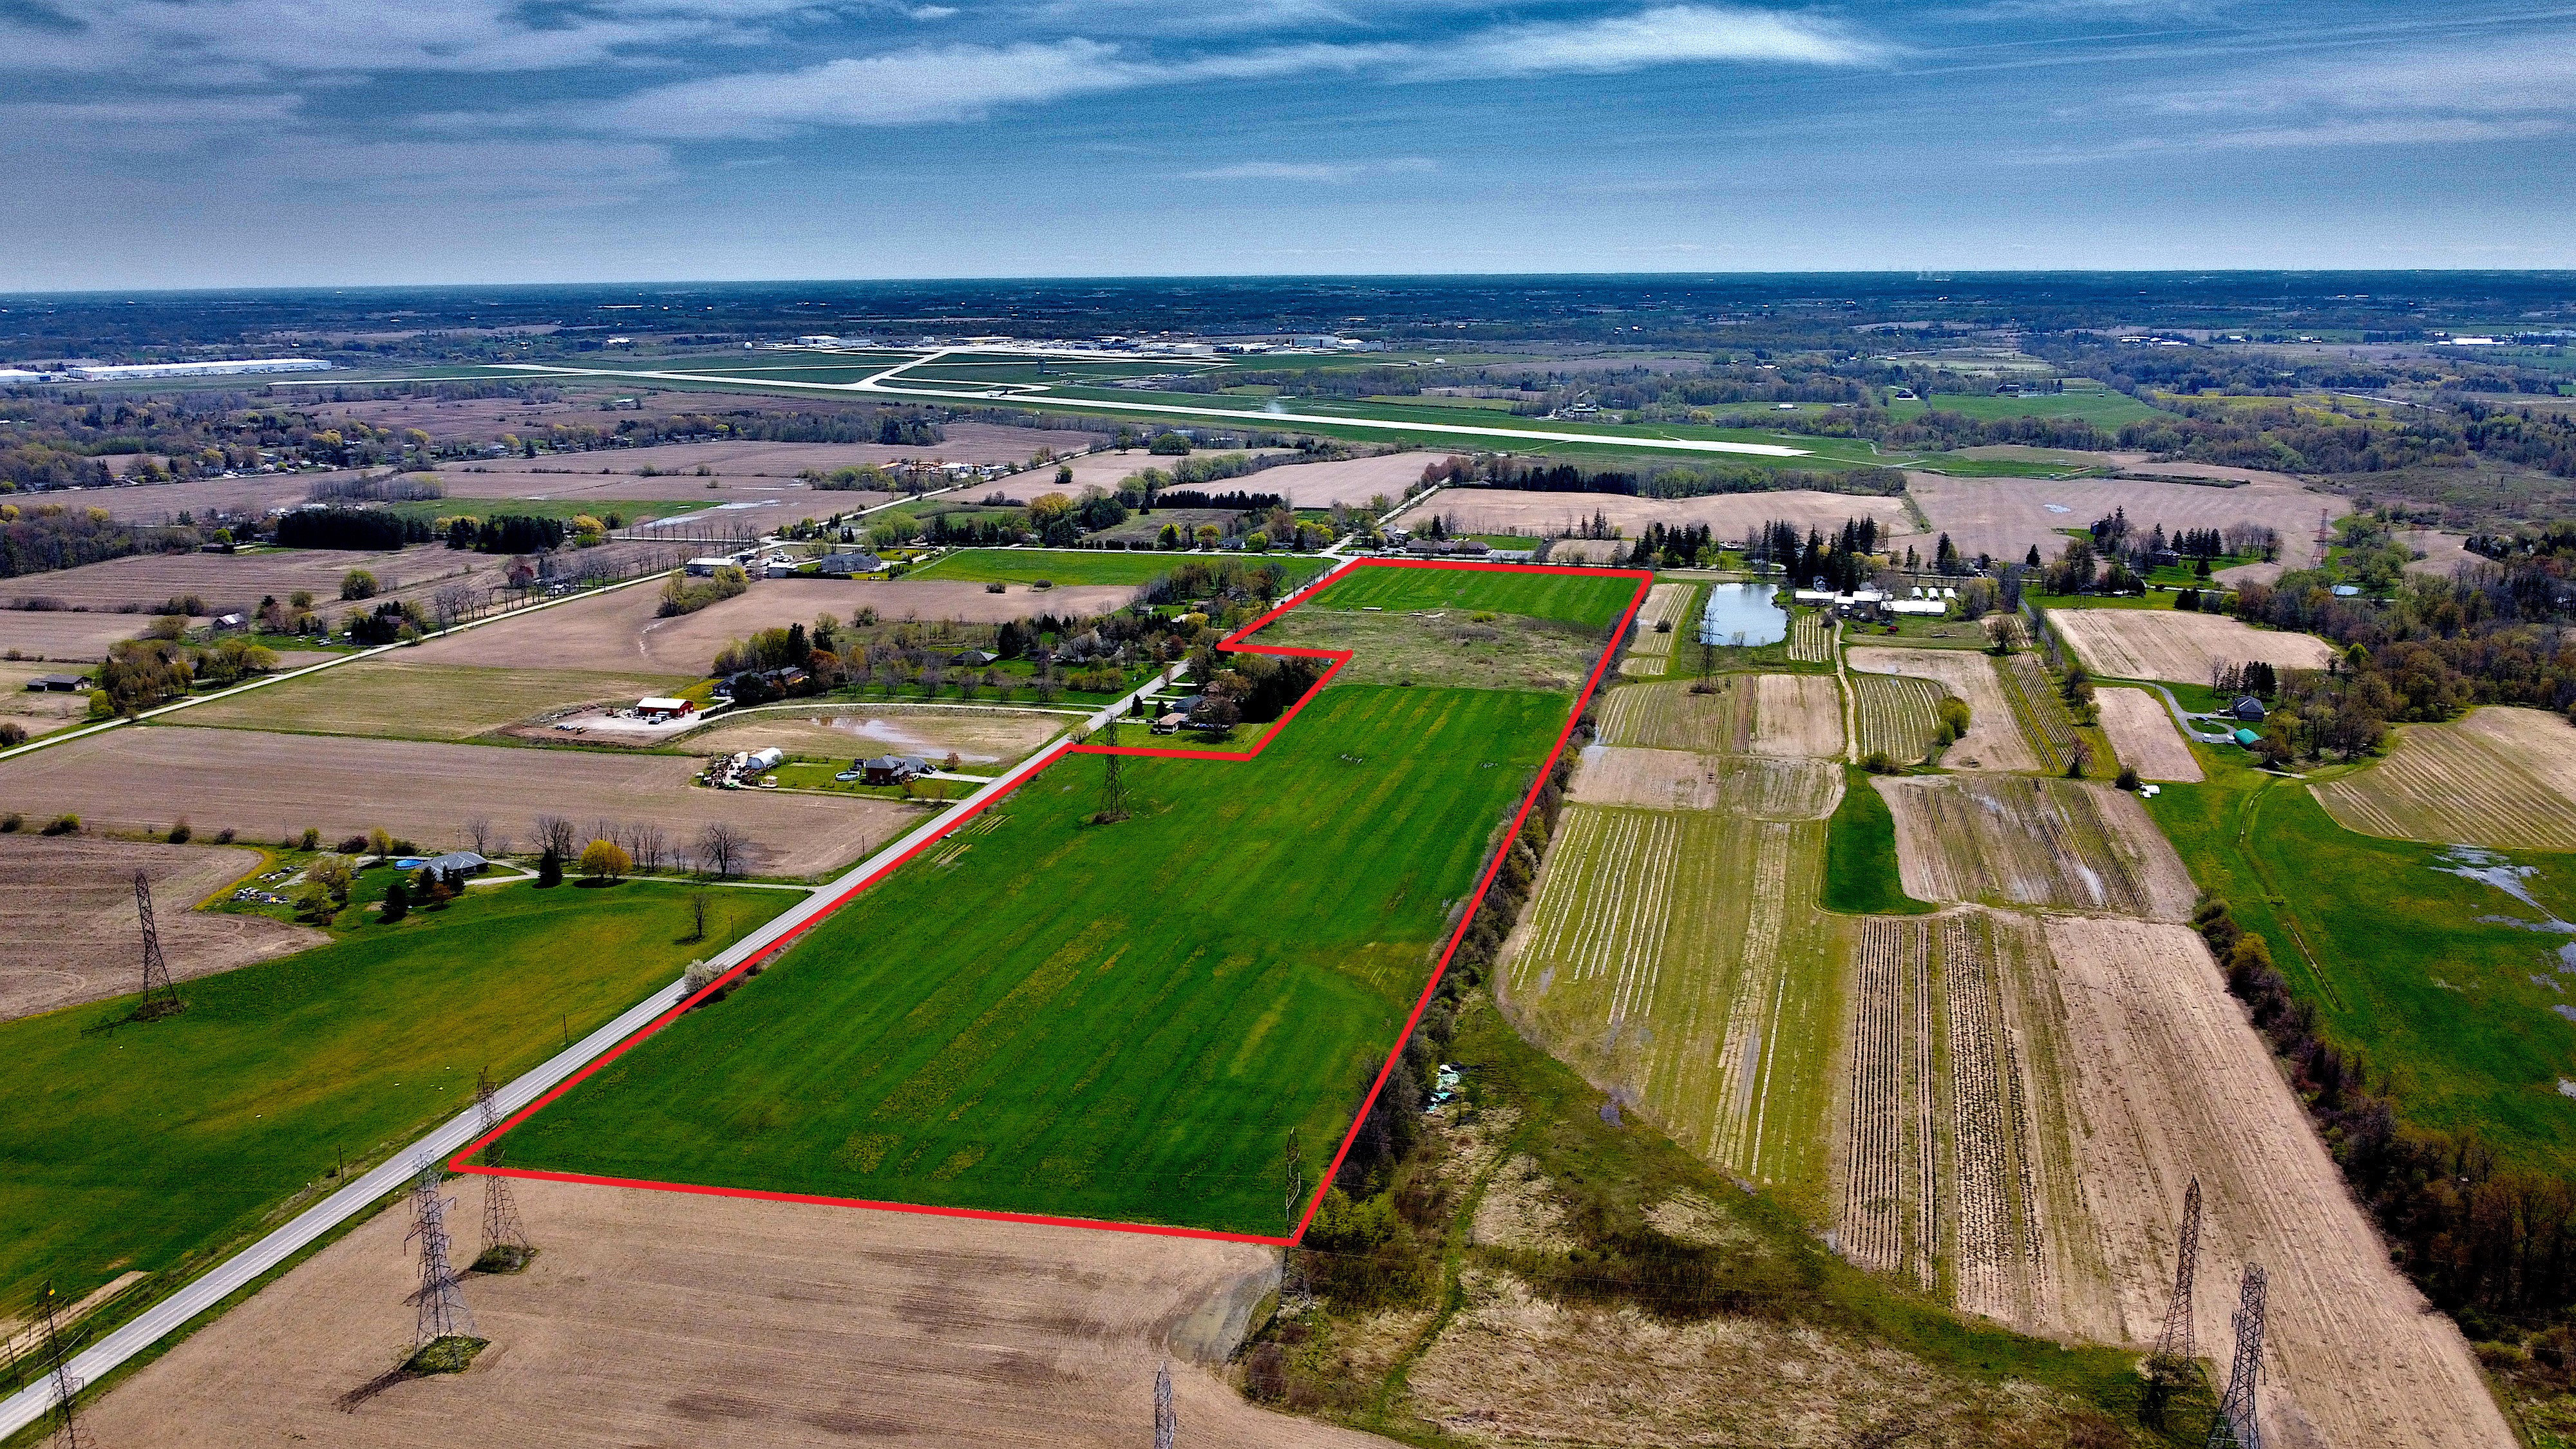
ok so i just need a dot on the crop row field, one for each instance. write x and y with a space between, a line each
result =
1946 1173
67 923
2501 777
1896 715
1811 639
1792 716
2045 726
2019 841
1765 788
1994 740
1678 958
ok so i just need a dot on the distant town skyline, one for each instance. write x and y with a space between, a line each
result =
324 143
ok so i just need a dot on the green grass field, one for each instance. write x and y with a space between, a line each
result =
1860 855
150 1146
2444 985
1120 1022
1575 598
1093 566
2100 406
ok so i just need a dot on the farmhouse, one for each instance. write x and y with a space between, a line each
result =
847 565
893 769
456 865
2247 707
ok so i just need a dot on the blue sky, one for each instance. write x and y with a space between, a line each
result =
316 142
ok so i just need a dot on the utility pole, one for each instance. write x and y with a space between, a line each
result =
160 998
58 1369
2173 1362
441 1305
505 1237
1113 795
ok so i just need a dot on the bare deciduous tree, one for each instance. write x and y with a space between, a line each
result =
555 833
647 844
479 830
452 603
721 849
699 902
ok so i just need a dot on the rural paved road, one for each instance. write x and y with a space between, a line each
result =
242 1269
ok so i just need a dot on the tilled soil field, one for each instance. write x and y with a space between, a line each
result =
2503 778
1994 741
621 632
652 1318
1896 715
399 697
68 930
272 786
2172 1084
229 583
45 634
1109 469
2177 647
2143 735
1731 516
2005 517
1769 789
1798 715
2018 841
1672 717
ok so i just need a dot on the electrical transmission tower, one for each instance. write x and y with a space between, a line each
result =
2176 1344
1113 795
2235 1427
1167 1421
440 1301
505 1238
58 1370
160 998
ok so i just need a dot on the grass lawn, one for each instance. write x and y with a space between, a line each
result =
1860 855
2446 986
1121 1022
1095 566
1576 598
146 1146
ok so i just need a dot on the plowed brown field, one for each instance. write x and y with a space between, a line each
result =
653 1318
2177 647
272 786
1730 515
2144 737
68 931
1770 789
2503 778
2172 1083
1798 715
2018 841
1994 741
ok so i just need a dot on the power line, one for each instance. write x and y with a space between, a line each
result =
2177 1341
2236 1426
441 1303
505 1237
160 998
58 1369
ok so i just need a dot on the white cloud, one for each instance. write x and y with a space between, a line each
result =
931 12
966 82
1325 172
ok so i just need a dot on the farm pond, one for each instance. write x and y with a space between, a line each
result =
1742 614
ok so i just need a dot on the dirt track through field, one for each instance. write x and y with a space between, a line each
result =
2018 841
2144 737
2173 1083
2177 647
68 930
1994 741
272 787
652 1318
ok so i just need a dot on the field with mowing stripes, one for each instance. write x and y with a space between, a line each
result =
1811 639
2502 778
2045 727
1578 598
1671 717
2018 841
1895 714
1678 959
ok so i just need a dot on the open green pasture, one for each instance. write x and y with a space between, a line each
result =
1574 598
2449 988
1132 1021
1860 855
153 1146
1092 566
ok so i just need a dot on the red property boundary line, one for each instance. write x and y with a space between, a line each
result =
1231 643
